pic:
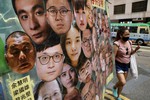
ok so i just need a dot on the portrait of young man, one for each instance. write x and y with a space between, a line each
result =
87 43
49 60
85 76
20 52
32 18
59 15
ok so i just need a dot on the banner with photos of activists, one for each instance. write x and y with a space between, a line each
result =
55 49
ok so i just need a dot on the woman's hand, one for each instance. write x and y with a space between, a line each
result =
137 48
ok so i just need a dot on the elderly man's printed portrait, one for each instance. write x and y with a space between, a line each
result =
20 52
51 90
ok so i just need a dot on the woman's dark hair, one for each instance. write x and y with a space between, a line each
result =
78 4
81 64
120 33
37 89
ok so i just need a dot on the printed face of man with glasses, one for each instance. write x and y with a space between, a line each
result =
49 63
85 72
87 43
59 15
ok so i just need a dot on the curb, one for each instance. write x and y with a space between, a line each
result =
109 96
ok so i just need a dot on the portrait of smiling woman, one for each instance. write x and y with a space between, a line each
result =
71 45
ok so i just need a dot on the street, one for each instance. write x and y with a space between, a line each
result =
138 89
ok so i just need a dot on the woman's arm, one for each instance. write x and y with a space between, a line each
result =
136 49
115 49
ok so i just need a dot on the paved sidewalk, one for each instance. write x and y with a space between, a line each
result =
109 96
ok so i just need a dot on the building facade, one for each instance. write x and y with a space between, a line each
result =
129 11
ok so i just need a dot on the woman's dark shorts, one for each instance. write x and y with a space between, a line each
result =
122 67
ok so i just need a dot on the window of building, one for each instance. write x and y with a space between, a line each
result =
133 29
139 6
119 9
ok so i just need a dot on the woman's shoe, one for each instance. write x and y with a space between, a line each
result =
115 92
119 98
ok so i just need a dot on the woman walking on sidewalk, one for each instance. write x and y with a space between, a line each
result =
122 51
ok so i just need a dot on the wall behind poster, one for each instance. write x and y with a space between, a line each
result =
85 66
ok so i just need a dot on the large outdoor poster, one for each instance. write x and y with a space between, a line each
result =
54 49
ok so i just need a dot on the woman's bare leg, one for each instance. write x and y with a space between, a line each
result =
121 82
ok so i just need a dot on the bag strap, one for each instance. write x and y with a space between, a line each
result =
130 42
130 46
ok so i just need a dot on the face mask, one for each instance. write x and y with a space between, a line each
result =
125 38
